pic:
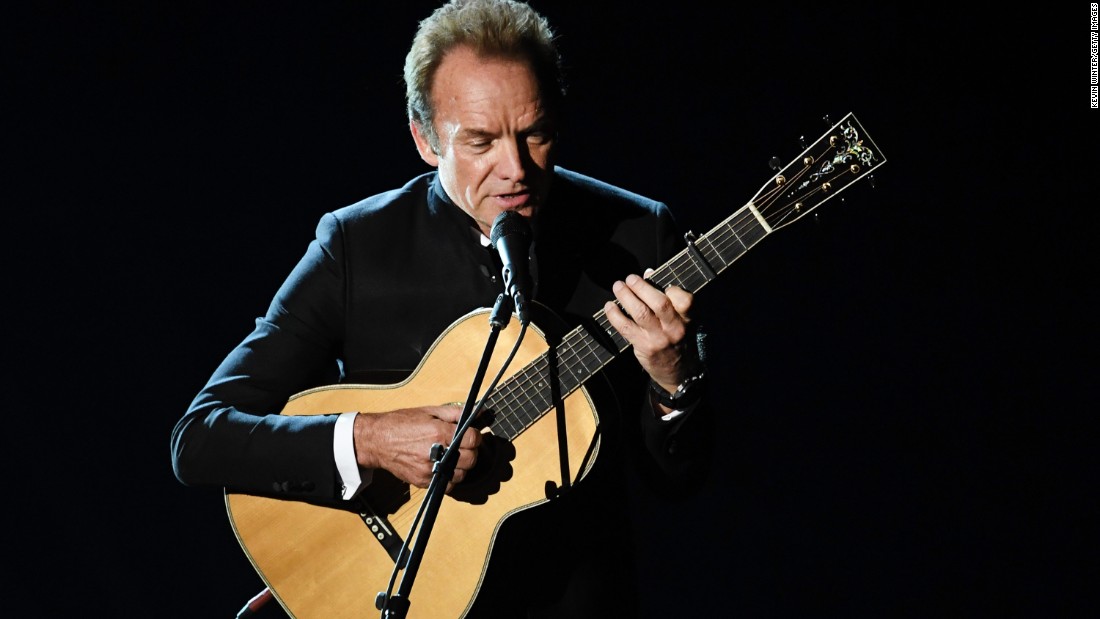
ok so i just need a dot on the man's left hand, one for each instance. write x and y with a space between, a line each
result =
656 324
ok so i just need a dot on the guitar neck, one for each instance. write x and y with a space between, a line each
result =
524 398
840 157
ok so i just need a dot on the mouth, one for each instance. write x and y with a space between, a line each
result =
515 201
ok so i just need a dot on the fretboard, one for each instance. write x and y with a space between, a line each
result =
527 395
841 156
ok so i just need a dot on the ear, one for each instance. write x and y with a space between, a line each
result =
422 145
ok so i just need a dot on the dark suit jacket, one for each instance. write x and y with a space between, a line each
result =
381 281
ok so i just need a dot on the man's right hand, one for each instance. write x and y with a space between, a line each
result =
400 441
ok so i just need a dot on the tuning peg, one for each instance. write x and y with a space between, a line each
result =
871 180
802 141
774 163
828 123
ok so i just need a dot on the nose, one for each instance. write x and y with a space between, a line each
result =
513 155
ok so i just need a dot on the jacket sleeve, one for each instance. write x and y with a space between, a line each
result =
232 434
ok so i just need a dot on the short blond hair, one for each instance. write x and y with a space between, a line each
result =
492 28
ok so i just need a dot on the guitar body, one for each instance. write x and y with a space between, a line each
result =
327 563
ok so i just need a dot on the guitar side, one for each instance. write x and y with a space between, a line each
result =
323 562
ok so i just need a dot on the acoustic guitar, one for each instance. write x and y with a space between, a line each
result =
325 562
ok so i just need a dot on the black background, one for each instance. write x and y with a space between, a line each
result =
907 426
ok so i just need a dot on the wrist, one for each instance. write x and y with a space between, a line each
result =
686 393
365 440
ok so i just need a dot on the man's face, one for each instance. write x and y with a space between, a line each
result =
495 140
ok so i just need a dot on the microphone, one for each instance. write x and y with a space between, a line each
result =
511 237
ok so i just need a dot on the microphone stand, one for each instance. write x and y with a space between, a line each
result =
397 606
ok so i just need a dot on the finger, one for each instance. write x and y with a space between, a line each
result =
631 303
620 321
656 302
681 300
467 458
471 440
450 413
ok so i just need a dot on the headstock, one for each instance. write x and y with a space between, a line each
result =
841 156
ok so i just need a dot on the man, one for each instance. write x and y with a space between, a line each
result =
387 276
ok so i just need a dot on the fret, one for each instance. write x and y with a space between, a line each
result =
796 190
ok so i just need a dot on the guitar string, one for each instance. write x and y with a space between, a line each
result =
717 251
569 350
713 246
524 381
513 400
580 350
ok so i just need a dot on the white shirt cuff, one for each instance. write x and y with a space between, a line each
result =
352 478
672 415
